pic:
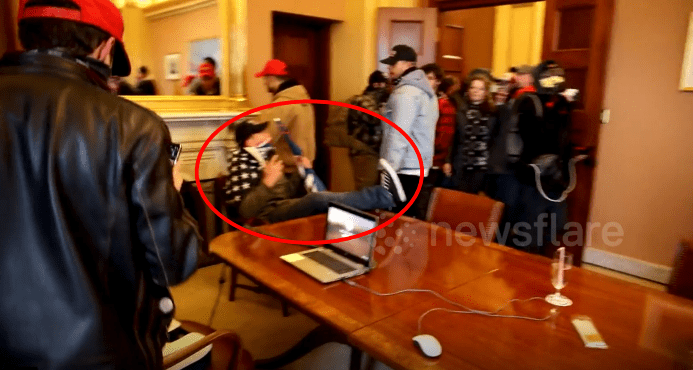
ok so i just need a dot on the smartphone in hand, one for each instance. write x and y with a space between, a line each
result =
175 150
270 153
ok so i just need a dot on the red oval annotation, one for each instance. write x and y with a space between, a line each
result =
305 242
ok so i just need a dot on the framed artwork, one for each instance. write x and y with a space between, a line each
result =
172 66
687 68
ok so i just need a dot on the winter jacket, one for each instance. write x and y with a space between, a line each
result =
298 118
365 127
445 131
471 146
195 87
94 231
245 191
413 106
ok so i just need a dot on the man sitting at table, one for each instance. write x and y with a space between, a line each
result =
258 188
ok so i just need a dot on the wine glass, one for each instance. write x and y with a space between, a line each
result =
559 277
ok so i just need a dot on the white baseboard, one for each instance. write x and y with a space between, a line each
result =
627 265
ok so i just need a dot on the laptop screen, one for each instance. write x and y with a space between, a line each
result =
342 223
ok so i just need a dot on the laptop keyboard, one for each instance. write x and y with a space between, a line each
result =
329 262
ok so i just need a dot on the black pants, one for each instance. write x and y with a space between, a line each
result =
525 209
410 183
471 181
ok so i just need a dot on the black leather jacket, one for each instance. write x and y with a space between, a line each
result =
93 231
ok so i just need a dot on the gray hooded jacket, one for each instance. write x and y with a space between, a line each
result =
413 106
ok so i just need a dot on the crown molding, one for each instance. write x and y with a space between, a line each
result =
175 7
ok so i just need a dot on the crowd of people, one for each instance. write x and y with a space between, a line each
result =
481 135
205 82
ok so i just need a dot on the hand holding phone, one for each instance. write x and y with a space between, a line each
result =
270 153
175 150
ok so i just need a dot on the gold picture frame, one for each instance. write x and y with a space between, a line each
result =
686 83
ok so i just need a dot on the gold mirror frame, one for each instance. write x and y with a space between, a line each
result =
234 29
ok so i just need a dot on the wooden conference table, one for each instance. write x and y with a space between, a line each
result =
644 328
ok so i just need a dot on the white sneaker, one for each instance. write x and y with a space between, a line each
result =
390 181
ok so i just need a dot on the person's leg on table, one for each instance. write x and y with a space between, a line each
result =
383 196
374 197
410 184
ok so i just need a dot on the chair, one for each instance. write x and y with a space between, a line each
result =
257 288
681 283
450 208
199 210
227 352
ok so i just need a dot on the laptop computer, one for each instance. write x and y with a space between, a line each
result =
341 260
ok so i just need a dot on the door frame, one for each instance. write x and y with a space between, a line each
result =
446 5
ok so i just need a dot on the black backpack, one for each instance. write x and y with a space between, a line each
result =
538 141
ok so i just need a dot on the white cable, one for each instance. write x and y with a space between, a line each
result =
222 279
571 185
438 295
418 327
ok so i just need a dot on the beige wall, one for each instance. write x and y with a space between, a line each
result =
172 35
137 39
645 175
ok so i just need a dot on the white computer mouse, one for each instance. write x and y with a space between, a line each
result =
428 344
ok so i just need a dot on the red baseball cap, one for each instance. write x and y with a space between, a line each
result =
206 70
274 67
101 14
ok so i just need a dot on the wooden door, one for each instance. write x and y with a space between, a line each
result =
303 44
451 57
577 35
416 27
466 40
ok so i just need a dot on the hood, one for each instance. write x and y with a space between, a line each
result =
417 78
293 92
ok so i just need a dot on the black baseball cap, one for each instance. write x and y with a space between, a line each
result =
400 52
246 128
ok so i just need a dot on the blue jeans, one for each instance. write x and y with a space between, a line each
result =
373 197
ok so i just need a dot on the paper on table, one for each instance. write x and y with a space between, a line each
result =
588 333
187 340
292 257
